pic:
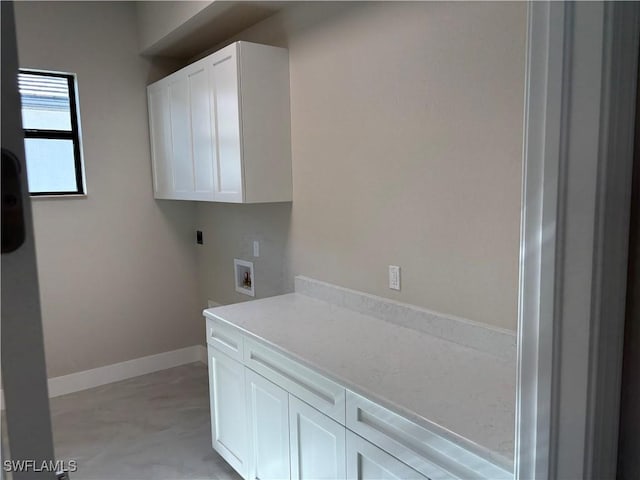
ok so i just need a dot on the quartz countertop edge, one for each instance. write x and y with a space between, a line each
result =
319 335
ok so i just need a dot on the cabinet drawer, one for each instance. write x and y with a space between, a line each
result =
318 391
225 338
428 452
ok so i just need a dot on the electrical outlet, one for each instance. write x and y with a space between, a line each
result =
394 277
256 248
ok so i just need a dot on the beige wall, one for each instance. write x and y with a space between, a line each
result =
117 269
157 19
407 128
229 231
407 140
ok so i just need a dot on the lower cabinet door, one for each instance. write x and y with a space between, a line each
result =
228 409
365 461
317 444
268 426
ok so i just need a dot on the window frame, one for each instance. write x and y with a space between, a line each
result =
73 135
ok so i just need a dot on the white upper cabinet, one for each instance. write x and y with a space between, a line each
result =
160 133
201 186
180 121
225 98
221 128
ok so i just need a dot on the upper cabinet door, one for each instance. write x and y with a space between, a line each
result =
201 131
180 115
160 136
223 77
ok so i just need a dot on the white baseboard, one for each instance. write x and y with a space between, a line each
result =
75 382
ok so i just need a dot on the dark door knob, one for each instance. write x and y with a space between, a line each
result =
13 231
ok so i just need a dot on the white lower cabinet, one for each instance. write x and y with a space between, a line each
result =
228 410
317 444
274 419
268 427
365 461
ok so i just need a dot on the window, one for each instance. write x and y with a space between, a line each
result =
51 133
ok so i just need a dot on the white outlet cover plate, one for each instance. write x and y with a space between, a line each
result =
394 277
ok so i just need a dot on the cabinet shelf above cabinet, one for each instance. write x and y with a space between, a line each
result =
220 128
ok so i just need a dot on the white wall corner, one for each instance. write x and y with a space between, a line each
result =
203 356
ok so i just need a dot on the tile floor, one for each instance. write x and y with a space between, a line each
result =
151 427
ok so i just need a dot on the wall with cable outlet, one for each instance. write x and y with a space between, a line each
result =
407 151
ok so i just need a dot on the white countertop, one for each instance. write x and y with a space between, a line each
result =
466 392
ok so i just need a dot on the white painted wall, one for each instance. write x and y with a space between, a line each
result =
407 150
117 268
157 19
229 231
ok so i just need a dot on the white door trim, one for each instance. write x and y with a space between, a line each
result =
580 92
621 33
541 147
29 434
